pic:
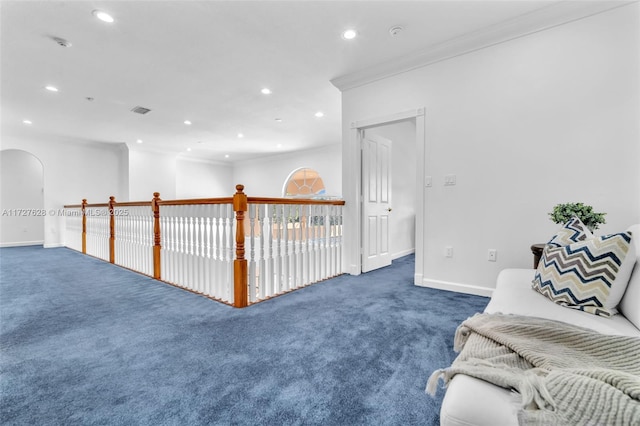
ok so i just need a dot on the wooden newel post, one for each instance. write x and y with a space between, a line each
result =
84 226
156 235
240 263
112 230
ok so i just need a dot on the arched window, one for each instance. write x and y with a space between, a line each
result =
303 182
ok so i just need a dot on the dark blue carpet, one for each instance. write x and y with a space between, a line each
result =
86 342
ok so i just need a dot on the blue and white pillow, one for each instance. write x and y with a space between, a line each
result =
571 232
590 275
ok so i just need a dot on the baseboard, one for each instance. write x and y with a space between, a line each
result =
22 244
402 254
457 287
354 269
54 245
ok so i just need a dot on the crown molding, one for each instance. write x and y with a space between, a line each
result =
135 147
203 160
178 155
288 154
547 17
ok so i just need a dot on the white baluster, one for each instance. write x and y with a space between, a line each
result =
230 251
262 271
207 257
251 261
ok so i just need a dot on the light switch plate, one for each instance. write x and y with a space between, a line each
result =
449 180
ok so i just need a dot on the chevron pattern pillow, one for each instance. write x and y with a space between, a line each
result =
589 275
571 232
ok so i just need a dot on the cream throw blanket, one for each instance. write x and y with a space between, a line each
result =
567 375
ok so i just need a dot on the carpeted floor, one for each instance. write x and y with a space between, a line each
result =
85 342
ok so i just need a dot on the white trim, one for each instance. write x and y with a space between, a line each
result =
553 15
185 157
53 245
352 187
22 244
457 287
354 269
403 253
283 155
388 119
417 280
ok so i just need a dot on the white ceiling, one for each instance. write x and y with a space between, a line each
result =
206 61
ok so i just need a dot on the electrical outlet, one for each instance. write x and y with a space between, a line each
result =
428 181
492 256
448 251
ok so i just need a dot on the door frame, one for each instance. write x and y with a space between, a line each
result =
352 189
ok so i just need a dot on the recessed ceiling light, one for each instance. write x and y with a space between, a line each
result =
139 141
103 16
240 136
226 156
27 121
189 149
51 88
279 120
319 114
187 122
279 145
266 91
349 34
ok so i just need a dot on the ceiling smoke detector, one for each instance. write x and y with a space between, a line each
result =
61 42
394 31
140 110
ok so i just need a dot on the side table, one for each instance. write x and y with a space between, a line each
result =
536 249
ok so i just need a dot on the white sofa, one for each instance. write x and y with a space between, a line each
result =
470 401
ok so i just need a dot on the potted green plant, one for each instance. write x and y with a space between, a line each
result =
563 212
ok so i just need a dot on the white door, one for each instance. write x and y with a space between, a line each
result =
376 202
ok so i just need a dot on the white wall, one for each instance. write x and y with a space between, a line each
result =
21 199
203 179
176 177
266 176
547 118
403 171
73 171
150 172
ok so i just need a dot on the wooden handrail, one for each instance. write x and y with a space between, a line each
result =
224 200
72 206
133 203
309 201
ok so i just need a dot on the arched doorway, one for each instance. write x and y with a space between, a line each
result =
21 199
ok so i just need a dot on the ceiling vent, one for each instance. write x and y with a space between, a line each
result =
140 110
61 42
